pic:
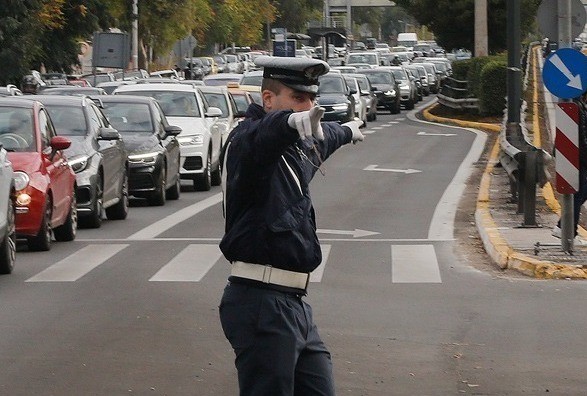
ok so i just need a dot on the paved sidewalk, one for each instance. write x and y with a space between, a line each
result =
531 251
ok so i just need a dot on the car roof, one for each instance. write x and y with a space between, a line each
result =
223 76
57 99
127 99
19 101
213 89
156 87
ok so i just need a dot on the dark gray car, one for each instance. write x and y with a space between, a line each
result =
97 155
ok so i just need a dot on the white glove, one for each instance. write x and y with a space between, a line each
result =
354 126
308 122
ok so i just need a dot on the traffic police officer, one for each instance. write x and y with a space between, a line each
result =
270 240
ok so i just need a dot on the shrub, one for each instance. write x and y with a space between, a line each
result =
493 87
460 69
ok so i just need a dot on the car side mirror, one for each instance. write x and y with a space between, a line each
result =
352 91
59 143
172 130
214 112
108 134
373 89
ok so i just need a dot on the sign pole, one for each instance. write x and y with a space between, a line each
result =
567 221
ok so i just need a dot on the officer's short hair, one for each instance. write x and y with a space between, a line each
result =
271 85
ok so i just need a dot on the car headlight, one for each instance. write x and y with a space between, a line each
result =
340 107
78 164
196 140
21 180
144 159
389 93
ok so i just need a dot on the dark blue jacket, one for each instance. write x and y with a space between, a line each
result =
269 215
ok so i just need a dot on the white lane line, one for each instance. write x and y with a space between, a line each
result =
316 275
392 123
378 128
414 264
78 264
190 265
172 220
400 119
368 132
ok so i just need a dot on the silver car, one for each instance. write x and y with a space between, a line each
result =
7 215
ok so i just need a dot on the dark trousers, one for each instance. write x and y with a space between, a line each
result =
579 199
277 346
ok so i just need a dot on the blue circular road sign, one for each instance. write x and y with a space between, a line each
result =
565 73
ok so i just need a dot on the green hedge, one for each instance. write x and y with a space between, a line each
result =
460 69
492 87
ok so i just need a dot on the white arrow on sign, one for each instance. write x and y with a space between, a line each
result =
356 233
436 134
574 81
406 171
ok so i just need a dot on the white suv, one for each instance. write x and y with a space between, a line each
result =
200 139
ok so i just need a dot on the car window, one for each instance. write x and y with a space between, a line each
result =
68 120
241 101
252 80
173 103
364 84
16 129
330 85
217 100
46 129
352 83
129 117
400 75
380 78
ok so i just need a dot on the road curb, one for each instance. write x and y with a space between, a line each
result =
495 245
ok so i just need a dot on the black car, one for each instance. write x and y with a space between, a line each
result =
386 88
336 97
97 155
153 150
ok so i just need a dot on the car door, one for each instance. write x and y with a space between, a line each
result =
58 170
215 132
112 156
169 143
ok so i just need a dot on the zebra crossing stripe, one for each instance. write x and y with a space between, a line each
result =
414 264
190 265
316 275
78 264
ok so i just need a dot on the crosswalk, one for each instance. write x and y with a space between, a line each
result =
409 263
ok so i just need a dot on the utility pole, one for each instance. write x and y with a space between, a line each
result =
135 35
481 47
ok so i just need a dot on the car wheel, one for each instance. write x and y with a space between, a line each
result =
410 105
174 191
216 177
119 211
158 198
8 246
94 219
204 181
67 231
42 241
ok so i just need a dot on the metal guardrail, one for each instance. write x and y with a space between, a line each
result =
525 164
455 94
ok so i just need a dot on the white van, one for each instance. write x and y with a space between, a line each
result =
407 40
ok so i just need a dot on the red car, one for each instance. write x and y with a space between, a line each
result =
44 181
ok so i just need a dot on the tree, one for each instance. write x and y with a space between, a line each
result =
452 21
294 14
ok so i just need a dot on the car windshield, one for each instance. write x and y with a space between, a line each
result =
330 85
363 84
68 120
380 78
352 83
16 129
362 58
173 103
217 100
242 104
252 80
129 117
400 75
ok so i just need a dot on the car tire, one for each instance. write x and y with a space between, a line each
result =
8 245
174 191
94 219
410 105
119 211
66 232
216 177
42 241
203 182
158 197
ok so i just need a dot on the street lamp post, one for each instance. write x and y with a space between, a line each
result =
135 35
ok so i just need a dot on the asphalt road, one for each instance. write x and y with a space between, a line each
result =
131 308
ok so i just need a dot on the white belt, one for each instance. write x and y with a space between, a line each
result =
269 274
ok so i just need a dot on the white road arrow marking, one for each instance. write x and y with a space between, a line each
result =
356 233
406 171
436 134
574 81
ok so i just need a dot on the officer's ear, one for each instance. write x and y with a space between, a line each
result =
268 98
